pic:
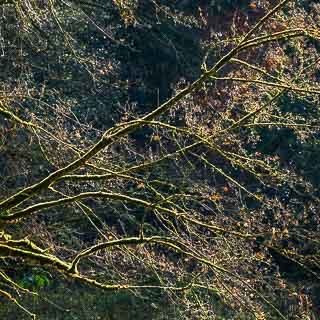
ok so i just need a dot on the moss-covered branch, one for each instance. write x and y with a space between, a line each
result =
117 132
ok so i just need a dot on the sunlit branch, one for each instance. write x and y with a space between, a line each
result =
282 124
203 140
263 20
42 258
270 84
229 178
13 217
251 114
8 296
283 35
258 69
114 134
31 126
85 209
